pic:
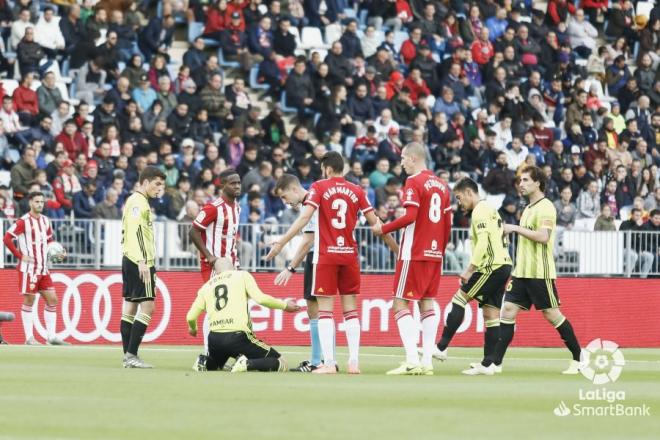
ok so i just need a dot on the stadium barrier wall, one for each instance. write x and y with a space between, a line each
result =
621 310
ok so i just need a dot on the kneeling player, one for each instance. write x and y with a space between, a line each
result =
485 278
225 300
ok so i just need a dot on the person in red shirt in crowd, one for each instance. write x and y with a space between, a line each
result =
238 6
66 184
593 7
558 11
482 48
26 102
409 47
416 85
394 85
543 136
73 141
426 226
217 19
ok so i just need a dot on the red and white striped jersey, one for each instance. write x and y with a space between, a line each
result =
426 238
218 222
33 235
338 203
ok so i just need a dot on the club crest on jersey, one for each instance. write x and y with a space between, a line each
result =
340 241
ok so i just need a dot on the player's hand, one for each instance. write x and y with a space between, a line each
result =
508 229
145 275
465 277
283 278
275 250
192 331
377 228
291 306
27 259
211 259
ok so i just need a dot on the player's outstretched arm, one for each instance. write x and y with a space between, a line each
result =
374 222
196 309
305 245
263 299
296 227
541 236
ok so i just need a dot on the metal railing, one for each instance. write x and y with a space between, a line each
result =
96 244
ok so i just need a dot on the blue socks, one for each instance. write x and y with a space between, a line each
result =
316 341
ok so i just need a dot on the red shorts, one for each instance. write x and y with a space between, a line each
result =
415 280
328 279
32 284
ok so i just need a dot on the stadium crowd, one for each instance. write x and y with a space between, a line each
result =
487 86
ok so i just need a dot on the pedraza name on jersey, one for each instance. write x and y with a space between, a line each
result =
340 190
432 183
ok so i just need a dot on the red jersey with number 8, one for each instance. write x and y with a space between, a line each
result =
426 238
339 203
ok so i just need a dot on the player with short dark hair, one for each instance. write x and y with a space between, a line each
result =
288 188
225 299
214 232
533 281
486 276
426 226
138 269
33 232
336 266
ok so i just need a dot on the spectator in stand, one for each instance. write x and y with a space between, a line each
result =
74 143
48 95
26 102
499 180
566 209
605 221
66 185
23 173
482 48
588 202
381 174
107 209
635 249
156 37
91 82
84 203
30 55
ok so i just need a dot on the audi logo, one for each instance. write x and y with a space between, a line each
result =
100 321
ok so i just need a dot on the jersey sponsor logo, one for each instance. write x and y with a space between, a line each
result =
434 245
340 241
340 190
432 253
101 308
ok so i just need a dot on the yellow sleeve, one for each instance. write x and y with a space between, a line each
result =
196 308
135 248
256 294
480 220
547 216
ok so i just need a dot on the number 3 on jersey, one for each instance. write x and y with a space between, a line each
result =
435 210
221 299
339 205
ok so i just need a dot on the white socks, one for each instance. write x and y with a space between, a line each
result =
26 318
430 323
409 334
327 337
352 328
206 329
50 317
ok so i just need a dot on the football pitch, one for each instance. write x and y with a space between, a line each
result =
81 392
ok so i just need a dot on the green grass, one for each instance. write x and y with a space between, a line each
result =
81 392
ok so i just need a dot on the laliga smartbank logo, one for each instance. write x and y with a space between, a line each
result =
601 362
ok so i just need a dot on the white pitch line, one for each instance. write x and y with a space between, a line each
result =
194 350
